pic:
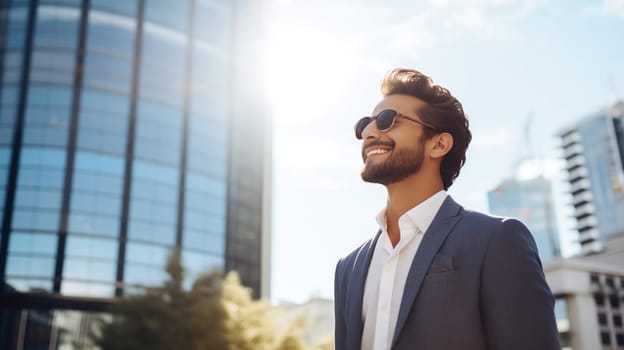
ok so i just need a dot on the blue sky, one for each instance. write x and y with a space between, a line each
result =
503 59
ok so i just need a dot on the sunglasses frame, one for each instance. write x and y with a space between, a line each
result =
375 119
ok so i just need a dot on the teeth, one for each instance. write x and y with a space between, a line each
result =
376 151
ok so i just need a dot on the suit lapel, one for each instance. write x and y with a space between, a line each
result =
356 292
443 222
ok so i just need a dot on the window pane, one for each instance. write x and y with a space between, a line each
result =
206 184
32 244
169 13
32 198
100 163
111 33
213 22
56 27
151 231
91 247
30 266
42 158
93 224
89 269
206 241
144 275
127 7
39 220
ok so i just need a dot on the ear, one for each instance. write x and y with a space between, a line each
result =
441 144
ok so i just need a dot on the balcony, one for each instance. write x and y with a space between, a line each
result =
578 173
570 138
584 210
580 185
591 248
586 223
575 162
572 150
582 198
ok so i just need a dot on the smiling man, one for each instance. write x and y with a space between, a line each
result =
435 275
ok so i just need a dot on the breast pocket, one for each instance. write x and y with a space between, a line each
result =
441 264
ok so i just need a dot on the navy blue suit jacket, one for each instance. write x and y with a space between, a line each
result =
476 282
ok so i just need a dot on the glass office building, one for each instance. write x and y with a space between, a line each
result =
532 202
594 152
127 127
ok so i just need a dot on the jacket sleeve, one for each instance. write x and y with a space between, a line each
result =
516 303
340 327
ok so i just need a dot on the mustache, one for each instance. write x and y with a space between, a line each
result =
389 144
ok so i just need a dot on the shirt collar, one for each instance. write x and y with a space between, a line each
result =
421 215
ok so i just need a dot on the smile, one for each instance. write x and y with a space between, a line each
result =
376 151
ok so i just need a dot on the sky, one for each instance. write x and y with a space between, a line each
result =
505 60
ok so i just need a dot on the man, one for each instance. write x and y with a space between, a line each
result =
435 276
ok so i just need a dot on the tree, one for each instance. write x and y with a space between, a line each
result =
216 313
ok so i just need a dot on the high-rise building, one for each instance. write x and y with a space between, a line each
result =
127 128
594 152
588 289
531 201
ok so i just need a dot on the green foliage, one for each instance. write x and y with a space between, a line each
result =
216 313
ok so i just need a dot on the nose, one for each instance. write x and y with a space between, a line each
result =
370 132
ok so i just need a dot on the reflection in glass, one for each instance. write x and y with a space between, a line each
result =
33 243
56 27
126 7
92 224
213 22
145 264
168 13
30 266
100 159
163 65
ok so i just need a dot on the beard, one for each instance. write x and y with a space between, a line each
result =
399 165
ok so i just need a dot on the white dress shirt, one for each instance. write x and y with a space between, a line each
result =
388 271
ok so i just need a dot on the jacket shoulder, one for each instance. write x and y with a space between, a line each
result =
350 260
482 220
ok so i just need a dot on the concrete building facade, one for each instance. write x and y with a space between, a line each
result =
590 298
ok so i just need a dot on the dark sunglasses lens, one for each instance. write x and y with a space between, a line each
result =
360 125
385 119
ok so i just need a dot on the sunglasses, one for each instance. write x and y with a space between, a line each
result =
384 122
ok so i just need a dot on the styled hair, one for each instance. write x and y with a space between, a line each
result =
443 111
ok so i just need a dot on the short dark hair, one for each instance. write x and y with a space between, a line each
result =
443 111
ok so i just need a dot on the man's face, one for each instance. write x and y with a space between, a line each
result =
392 156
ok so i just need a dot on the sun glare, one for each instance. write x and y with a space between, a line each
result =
306 70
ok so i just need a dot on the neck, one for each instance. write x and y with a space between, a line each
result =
405 195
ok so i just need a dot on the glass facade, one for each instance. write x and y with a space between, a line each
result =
594 153
531 201
120 139
603 145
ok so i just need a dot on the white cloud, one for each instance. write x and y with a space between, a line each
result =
477 21
414 30
610 8
373 36
524 6
605 8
